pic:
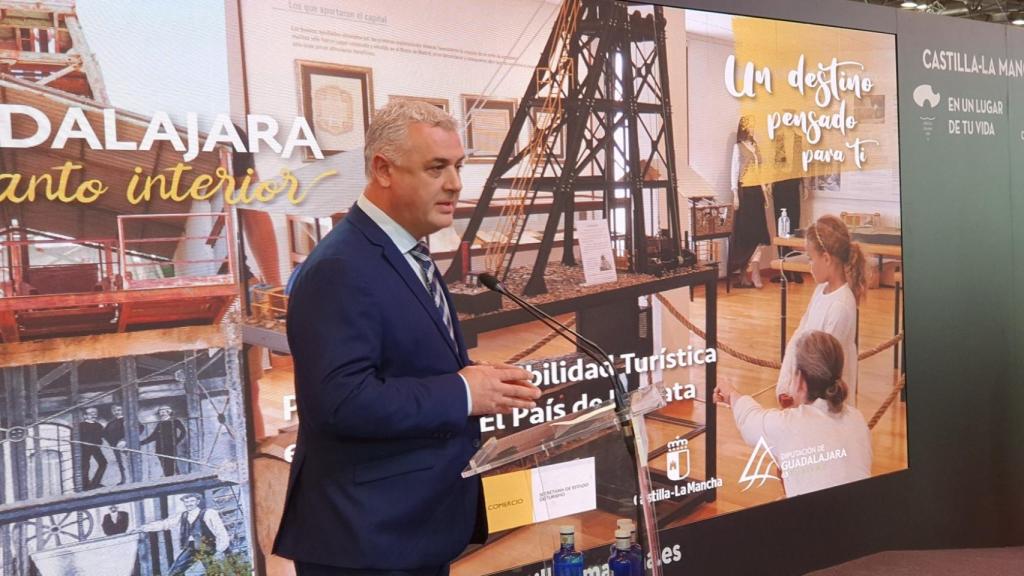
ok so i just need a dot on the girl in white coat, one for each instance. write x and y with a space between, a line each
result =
821 441
839 269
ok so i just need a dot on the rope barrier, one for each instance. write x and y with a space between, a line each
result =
721 345
881 347
896 389
745 357
753 359
762 362
540 344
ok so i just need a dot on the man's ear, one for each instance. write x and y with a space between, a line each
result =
382 170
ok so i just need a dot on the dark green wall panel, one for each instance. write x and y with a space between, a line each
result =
1012 444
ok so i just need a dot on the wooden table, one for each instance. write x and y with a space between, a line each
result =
882 242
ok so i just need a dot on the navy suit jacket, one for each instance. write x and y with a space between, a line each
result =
384 433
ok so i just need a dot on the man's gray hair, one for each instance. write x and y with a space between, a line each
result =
389 130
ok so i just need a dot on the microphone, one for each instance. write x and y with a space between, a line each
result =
491 282
588 346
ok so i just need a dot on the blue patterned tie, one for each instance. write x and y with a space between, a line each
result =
422 255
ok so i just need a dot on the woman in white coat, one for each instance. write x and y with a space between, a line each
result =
821 441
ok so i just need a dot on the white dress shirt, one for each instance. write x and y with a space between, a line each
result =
405 242
814 448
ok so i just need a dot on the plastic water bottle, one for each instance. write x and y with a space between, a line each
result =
635 549
783 224
620 564
636 552
620 524
567 561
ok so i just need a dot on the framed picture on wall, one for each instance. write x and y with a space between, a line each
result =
870 108
828 182
304 233
487 123
541 120
441 103
337 101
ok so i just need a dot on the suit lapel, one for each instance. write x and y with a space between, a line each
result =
401 267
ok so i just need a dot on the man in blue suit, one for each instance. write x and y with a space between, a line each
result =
387 397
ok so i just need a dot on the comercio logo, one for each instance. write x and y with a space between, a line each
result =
506 504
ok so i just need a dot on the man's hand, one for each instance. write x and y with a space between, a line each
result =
499 388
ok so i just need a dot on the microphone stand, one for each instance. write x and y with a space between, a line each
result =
619 388
588 346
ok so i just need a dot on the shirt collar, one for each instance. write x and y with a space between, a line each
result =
401 237
821 405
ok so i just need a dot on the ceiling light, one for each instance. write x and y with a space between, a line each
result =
1016 18
909 5
922 6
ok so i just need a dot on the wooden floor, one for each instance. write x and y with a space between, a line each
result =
748 319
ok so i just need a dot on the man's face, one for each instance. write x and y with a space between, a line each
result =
424 184
164 413
116 411
190 503
90 414
113 509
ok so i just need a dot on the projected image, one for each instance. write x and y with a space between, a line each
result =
794 127
713 200
123 445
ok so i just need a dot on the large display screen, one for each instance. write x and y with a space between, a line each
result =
738 120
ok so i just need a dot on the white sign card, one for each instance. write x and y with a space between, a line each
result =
596 252
564 489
